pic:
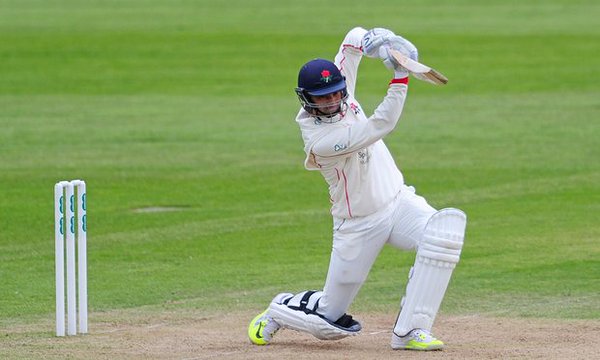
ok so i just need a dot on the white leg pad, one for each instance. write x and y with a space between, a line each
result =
298 313
437 255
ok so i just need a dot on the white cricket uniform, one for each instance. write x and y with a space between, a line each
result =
371 205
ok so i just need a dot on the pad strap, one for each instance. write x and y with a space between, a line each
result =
299 313
302 301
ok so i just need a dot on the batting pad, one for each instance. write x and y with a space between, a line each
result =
437 255
299 313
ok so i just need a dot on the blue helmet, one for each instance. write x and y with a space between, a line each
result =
320 77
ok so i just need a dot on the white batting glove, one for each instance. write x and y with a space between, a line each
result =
373 40
391 63
402 45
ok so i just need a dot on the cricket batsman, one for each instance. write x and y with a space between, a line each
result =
371 205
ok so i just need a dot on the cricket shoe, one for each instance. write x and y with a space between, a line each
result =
416 339
262 328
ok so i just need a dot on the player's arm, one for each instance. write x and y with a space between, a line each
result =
349 55
344 139
372 43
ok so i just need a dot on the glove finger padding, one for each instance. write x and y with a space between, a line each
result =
388 59
374 39
390 62
407 48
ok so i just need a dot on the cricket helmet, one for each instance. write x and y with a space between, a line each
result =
321 77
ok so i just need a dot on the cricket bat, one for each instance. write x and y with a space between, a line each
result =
420 71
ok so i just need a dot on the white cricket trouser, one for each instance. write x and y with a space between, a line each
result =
358 241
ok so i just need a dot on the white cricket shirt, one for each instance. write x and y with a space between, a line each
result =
350 154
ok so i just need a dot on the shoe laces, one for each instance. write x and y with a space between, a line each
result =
421 335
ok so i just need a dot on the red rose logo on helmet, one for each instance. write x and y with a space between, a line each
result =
325 76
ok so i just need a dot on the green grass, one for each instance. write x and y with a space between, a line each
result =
191 105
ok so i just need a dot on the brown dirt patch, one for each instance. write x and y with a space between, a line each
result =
192 334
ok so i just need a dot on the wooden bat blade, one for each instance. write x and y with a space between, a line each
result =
433 77
420 71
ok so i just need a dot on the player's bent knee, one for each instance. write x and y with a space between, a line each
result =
299 313
444 236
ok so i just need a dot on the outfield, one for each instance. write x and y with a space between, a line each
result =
189 106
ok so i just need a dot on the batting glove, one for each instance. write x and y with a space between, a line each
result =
402 45
373 40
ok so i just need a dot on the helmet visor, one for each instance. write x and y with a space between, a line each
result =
328 89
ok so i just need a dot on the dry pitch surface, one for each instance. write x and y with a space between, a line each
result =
141 334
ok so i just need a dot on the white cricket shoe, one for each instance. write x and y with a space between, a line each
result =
416 339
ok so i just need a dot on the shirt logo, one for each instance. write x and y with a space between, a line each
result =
364 156
355 109
340 147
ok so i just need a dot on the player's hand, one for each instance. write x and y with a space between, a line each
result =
373 40
391 63
407 48
402 45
